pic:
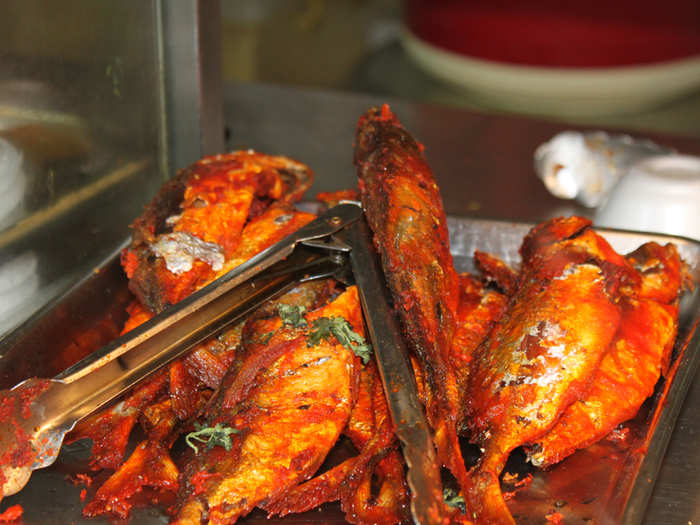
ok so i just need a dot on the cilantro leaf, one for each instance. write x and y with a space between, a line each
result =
265 338
453 499
325 327
292 315
217 435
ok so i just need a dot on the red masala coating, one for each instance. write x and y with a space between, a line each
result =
371 430
405 212
479 309
350 482
496 271
110 429
15 407
333 198
12 513
633 362
210 202
186 378
271 226
288 415
314 492
158 416
292 401
149 466
138 314
544 351
554 517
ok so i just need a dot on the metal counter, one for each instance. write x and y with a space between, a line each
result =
483 164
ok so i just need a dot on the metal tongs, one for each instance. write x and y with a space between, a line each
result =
337 244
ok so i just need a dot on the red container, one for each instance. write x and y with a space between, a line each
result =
560 33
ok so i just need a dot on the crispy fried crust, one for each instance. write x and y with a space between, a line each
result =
479 309
633 362
209 202
287 412
149 466
540 358
545 350
371 432
405 212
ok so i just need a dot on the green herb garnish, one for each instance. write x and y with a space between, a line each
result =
265 338
325 327
217 435
292 315
453 499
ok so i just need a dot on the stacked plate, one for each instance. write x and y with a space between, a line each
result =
12 184
19 285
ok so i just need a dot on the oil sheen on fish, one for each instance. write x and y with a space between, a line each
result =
405 212
543 353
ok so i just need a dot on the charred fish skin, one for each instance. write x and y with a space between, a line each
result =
542 354
405 212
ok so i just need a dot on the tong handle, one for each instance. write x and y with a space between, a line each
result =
110 371
391 353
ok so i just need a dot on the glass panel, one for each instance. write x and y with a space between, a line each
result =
79 139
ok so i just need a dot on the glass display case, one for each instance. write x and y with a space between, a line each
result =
99 103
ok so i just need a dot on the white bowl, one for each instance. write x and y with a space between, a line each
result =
660 194
557 91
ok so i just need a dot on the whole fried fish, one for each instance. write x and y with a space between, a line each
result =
544 351
288 401
632 365
405 212
194 225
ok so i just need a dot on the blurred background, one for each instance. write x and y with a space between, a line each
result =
100 102
634 65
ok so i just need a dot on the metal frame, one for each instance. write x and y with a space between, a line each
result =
189 38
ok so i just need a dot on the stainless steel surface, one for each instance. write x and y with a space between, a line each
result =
391 353
483 164
108 372
102 101
190 38
79 102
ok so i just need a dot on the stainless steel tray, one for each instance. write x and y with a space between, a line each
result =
606 483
